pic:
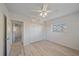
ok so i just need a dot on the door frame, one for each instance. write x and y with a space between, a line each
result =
5 35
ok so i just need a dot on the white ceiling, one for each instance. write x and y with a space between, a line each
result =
58 9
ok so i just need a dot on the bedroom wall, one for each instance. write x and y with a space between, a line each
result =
1 35
70 36
3 11
32 32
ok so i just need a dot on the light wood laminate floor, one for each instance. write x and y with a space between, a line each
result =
42 48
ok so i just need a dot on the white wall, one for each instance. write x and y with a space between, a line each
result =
3 11
70 37
32 32
1 35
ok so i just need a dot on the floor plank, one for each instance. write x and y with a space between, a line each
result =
44 48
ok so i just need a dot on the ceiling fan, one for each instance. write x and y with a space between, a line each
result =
43 10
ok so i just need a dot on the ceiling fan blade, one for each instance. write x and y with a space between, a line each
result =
37 10
45 7
49 11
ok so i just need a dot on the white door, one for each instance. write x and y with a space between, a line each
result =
9 36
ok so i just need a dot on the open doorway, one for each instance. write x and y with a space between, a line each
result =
17 38
17 30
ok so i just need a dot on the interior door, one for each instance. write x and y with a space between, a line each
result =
8 35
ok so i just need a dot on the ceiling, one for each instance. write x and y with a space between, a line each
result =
58 9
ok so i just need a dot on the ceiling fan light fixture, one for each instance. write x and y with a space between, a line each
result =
43 14
44 10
